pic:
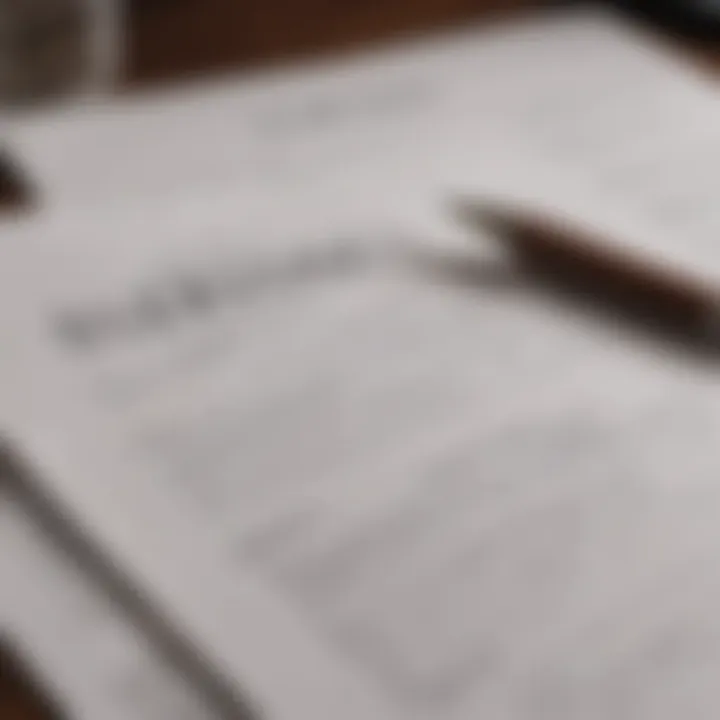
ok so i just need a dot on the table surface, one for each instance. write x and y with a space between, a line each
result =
175 38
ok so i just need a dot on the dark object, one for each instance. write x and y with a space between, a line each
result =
563 255
698 18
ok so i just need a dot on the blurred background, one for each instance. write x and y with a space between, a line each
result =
50 47
54 49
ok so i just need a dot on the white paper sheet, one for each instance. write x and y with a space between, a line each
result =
82 647
309 124
362 486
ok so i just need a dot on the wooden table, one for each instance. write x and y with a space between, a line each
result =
175 38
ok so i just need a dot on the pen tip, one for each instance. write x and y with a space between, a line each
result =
479 213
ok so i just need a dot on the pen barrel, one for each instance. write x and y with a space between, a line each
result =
594 269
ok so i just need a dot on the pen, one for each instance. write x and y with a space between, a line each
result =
573 256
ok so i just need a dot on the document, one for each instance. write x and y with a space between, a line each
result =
366 472
82 648
359 463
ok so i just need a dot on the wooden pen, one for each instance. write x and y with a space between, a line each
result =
574 256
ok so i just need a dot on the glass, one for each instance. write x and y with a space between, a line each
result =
52 49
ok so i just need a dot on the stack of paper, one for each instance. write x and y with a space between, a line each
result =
242 360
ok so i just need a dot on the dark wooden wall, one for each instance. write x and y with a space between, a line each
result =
171 37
